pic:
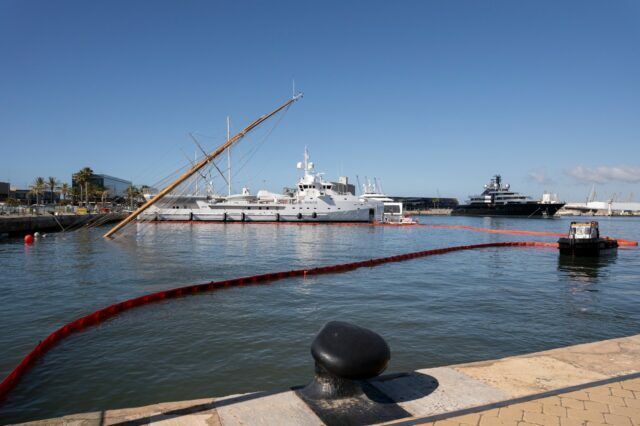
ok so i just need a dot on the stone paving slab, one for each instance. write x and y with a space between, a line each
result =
588 384
557 368
270 409
616 403
454 391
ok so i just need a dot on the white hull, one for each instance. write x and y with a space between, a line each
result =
363 214
314 200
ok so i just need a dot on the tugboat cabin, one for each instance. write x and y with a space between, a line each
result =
584 240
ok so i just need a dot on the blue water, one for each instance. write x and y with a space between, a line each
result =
439 310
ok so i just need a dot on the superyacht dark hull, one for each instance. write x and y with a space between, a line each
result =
533 209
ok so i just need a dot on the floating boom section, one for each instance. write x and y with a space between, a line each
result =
199 165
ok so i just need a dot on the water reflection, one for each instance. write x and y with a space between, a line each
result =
586 270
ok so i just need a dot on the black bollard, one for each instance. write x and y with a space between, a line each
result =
344 355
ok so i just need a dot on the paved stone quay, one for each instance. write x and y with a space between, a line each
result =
589 384
615 403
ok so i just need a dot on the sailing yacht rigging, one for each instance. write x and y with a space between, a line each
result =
313 200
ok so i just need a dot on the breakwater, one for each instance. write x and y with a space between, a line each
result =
21 225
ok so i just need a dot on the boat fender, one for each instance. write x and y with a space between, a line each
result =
242 216
299 215
314 215
224 216
277 217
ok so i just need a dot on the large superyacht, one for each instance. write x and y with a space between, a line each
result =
313 200
498 200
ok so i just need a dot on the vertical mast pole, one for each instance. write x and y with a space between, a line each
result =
195 160
229 156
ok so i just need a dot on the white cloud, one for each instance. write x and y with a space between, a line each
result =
540 176
604 174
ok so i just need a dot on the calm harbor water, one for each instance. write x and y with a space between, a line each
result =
438 310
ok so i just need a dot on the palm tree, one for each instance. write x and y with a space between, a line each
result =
104 194
75 193
132 194
83 177
93 192
52 183
37 187
64 190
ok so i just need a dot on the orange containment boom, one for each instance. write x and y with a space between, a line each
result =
110 311
628 243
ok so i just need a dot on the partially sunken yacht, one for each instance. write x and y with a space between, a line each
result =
393 211
313 200
498 200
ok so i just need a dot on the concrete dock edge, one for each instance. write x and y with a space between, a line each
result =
593 383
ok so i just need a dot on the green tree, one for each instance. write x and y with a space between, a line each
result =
75 193
132 194
52 183
93 192
83 177
104 194
64 190
37 188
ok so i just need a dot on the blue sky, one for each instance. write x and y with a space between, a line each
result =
430 97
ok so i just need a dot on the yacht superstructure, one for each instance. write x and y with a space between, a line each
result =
393 210
497 199
313 200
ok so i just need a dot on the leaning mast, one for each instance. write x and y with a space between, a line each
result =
196 167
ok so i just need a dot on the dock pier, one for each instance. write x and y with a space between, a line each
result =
587 384
28 224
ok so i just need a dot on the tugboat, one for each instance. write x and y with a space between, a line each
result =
584 240
498 200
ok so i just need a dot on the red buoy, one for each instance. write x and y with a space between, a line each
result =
28 239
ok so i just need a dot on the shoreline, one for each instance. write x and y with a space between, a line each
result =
597 381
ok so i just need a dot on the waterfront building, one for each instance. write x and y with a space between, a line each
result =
117 187
4 191
26 196
426 203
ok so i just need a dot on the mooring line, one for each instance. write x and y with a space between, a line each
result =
102 315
